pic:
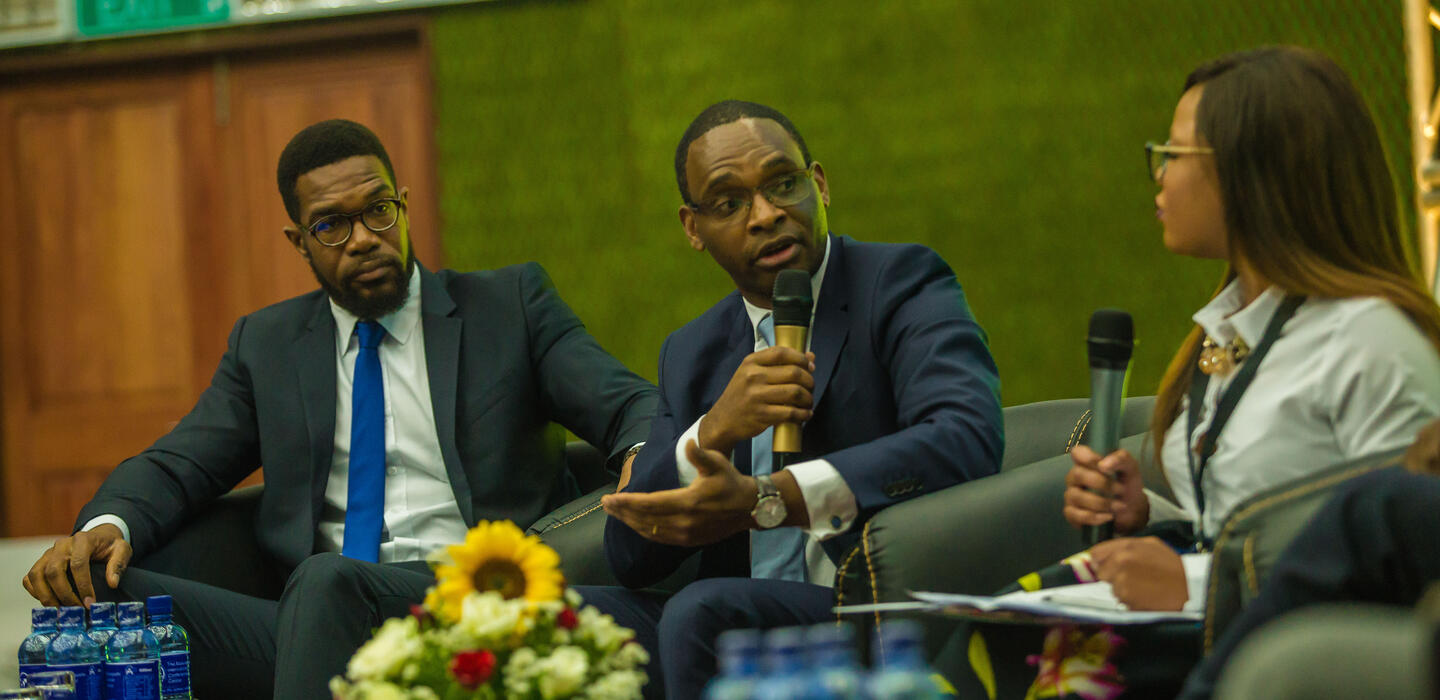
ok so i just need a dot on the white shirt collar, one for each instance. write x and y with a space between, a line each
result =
1223 319
399 324
758 314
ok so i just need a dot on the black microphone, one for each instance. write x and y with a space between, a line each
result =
793 302
1111 338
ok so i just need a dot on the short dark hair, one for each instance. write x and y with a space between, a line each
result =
722 113
319 145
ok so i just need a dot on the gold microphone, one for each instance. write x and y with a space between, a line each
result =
793 302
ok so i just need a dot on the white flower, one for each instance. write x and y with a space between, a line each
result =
487 621
620 685
563 672
397 642
423 693
377 690
519 671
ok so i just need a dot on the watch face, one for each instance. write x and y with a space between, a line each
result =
769 512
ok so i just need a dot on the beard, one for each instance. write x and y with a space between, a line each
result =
369 307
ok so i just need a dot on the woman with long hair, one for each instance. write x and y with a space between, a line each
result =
1321 344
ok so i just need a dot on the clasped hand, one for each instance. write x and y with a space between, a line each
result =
771 386
1099 490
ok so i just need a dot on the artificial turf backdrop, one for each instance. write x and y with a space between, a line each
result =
1006 134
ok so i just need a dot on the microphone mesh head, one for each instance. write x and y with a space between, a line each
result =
1111 338
792 298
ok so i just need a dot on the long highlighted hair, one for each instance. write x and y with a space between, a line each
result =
1309 201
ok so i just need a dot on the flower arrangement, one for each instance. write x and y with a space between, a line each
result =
498 623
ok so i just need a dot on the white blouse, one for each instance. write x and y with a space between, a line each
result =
1345 378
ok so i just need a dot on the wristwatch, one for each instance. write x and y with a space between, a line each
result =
769 510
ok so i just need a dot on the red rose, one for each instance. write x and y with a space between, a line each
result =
471 668
419 613
567 619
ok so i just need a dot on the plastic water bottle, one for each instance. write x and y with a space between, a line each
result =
32 648
174 649
132 657
834 671
785 674
73 650
900 671
102 622
739 652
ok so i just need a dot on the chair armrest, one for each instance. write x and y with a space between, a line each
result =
219 547
576 531
1259 529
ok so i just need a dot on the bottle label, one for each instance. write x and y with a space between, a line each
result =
132 680
88 679
27 669
175 674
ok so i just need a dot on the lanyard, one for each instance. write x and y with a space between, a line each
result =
1226 406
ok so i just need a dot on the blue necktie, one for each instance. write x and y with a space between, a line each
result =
778 553
365 494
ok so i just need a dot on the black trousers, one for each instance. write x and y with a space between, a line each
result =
247 647
1376 541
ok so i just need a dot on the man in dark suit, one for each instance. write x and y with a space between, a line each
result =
391 410
898 396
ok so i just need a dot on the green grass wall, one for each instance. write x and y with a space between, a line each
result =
1006 134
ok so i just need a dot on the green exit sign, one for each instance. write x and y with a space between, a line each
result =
99 17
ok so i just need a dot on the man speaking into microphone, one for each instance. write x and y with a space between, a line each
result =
897 396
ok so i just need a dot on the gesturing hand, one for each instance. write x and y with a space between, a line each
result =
47 580
1144 572
714 506
770 387
1090 478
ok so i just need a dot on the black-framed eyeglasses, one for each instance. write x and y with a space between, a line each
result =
782 191
334 229
1158 155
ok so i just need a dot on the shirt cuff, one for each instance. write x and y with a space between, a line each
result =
115 520
683 465
1197 575
828 499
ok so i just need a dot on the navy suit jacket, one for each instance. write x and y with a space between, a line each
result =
906 399
505 357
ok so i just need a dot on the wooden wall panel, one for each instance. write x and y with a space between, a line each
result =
145 220
98 351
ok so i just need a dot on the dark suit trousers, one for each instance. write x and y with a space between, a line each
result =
241 644
1376 541
679 631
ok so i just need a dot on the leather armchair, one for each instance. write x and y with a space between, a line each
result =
1259 529
979 536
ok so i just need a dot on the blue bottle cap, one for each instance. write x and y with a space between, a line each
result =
158 604
102 613
71 616
43 617
130 615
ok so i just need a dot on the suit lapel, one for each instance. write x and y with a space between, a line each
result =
832 324
313 357
442 365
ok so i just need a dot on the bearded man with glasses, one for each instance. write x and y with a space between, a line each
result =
898 396
390 411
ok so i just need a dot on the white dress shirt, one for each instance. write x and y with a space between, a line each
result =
828 499
420 509
1346 378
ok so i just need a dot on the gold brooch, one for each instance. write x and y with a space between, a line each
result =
1218 359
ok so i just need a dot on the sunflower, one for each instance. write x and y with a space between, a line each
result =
495 556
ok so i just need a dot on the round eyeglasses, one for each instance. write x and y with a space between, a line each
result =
782 191
1158 155
334 229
